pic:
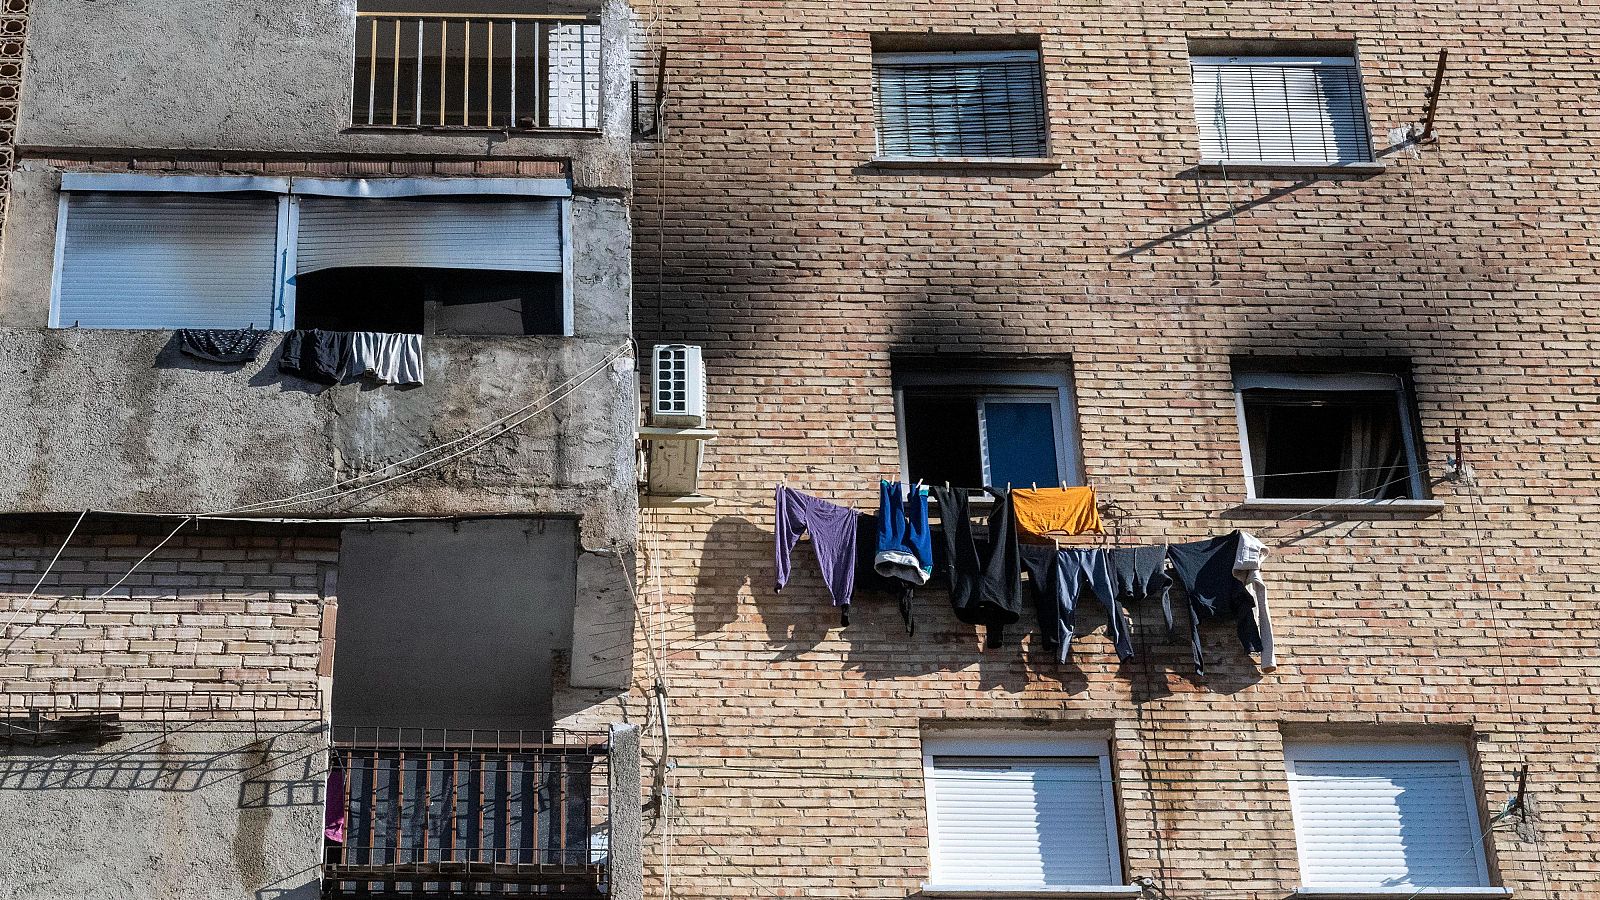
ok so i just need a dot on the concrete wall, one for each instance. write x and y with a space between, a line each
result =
453 624
272 77
201 811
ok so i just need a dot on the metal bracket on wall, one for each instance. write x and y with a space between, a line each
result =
652 128
1424 134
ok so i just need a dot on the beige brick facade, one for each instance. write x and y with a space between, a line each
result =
765 235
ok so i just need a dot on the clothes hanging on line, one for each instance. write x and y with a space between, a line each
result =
1042 512
1219 575
1141 575
316 355
1077 570
389 358
221 346
905 544
333 812
867 577
986 582
833 537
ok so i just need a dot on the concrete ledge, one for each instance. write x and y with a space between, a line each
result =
1400 892
1032 165
1339 508
1076 892
1262 168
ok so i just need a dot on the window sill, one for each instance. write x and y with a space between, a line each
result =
991 163
1075 892
1353 508
1228 168
545 131
1456 893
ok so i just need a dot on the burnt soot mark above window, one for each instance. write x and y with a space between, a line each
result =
1327 437
977 429
961 103
1274 109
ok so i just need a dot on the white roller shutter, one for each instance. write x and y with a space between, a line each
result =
1021 822
960 104
167 261
1303 110
508 235
1375 822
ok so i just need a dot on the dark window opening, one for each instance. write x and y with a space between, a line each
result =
430 301
1327 444
972 439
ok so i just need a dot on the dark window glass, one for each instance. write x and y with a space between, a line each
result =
1327 444
429 301
942 440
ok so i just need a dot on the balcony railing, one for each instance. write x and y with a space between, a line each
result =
429 812
459 70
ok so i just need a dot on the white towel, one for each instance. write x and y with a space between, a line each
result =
389 358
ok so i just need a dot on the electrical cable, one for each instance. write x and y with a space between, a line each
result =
17 614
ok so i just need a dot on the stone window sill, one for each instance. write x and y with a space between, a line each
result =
975 892
1401 893
1346 508
975 163
1263 168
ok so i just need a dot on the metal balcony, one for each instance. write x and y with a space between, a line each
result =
464 71
430 812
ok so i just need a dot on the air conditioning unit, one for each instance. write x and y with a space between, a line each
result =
674 441
678 386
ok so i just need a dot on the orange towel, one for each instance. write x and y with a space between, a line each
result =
1063 511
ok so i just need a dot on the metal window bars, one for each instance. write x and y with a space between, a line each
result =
466 71
432 812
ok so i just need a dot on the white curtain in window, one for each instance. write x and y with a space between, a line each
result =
1301 110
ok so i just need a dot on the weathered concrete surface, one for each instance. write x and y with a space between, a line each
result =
199 811
119 420
453 624
275 76
627 825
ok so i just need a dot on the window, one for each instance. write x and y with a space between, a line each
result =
161 260
453 64
1327 437
1020 811
436 256
962 103
1385 815
976 429
1297 110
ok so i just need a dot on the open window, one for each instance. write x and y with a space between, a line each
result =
434 265
975 429
465 256
1327 437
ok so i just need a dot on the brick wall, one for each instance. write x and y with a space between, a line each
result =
764 236
222 622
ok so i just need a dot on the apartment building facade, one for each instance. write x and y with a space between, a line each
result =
1213 261
317 308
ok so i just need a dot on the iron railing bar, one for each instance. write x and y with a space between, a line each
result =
538 94
372 76
513 119
394 93
466 72
488 68
418 116
498 17
372 809
583 73
444 66
399 802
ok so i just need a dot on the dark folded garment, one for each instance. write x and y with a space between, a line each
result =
219 346
316 355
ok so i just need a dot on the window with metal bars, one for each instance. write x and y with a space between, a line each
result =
1296 110
964 103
